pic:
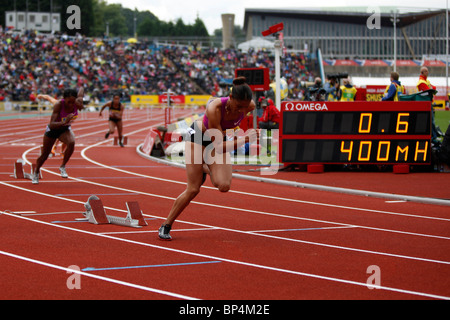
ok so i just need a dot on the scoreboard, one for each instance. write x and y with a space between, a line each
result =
257 78
355 132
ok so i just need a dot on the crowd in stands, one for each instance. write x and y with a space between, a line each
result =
32 64
213 67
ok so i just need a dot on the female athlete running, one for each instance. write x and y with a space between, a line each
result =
207 150
64 113
115 116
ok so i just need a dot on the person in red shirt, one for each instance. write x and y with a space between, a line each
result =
424 83
271 116
270 120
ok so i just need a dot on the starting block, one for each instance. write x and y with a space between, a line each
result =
96 214
135 213
124 141
19 172
18 169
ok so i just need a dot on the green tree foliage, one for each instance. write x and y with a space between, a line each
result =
157 28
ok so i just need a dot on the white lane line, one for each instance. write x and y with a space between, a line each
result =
332 279
94 276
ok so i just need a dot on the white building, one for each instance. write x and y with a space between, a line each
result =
39 21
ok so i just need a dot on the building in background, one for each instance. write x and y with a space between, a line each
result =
228 31
39 21
343 33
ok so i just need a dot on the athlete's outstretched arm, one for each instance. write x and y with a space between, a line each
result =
50 99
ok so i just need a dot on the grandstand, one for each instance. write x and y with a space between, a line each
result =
42 63
45 63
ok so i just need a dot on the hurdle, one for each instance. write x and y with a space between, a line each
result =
96 214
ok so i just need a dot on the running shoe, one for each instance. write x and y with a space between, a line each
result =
164 232
107 135
121 143
35 178
63 172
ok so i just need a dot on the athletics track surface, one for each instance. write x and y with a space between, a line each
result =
258 241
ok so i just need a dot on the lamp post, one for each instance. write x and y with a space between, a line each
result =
275 29
394 21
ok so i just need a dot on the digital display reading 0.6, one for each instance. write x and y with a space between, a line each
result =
382 123
356 132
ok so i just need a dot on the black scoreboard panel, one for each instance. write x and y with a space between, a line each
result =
356 132
356 151
347 122
257 78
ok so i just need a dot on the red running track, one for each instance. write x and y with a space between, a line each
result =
260 241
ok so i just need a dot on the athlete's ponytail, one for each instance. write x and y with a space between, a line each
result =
241 90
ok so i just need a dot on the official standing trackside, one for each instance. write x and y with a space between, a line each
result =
395 89
348 91
271 116
422 85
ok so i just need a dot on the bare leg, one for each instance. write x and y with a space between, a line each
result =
68 139
46 149
119 129
194 173
221 173
112 127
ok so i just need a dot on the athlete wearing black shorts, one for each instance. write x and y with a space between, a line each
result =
64 113
115 116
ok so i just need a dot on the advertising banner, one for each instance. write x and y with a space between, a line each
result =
145 99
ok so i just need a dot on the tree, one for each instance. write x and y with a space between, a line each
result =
180 28
147 27
199 28
140 17
117 23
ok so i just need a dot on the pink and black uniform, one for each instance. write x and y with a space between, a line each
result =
224 124
55 133
114 110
